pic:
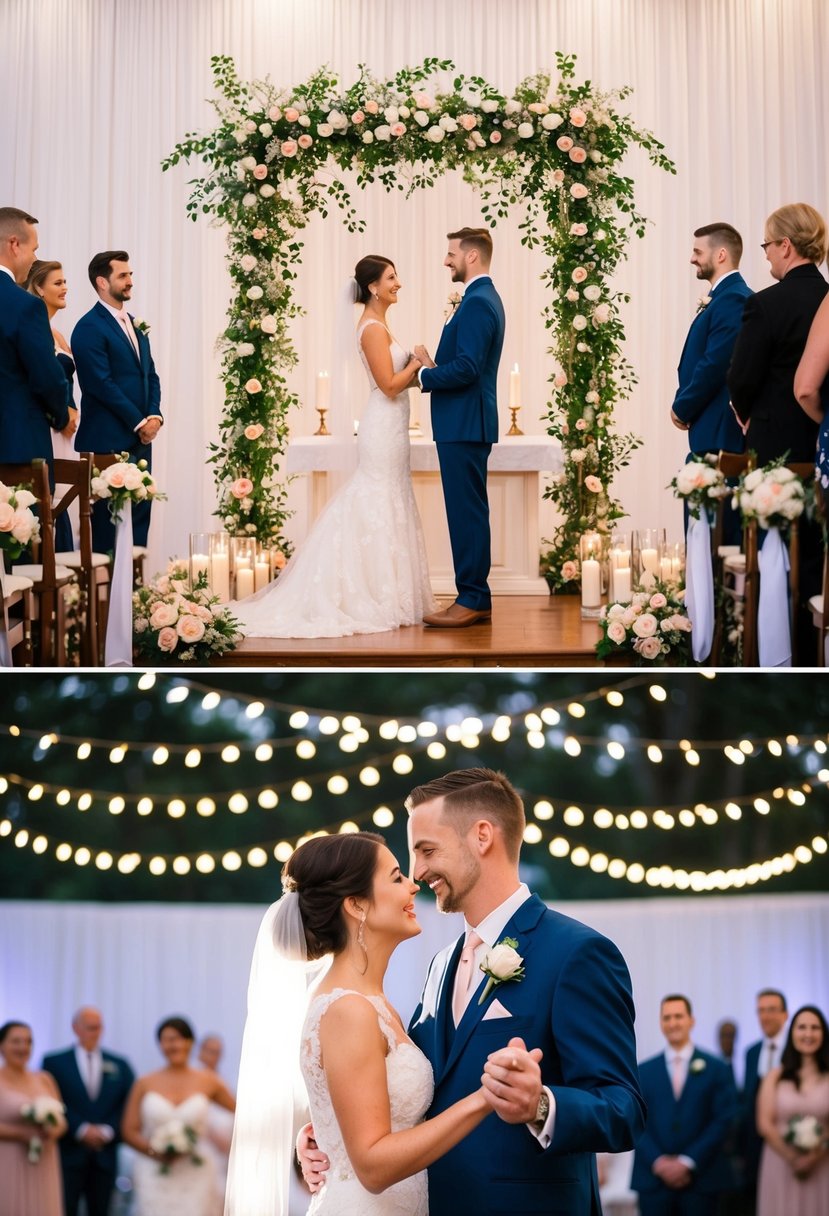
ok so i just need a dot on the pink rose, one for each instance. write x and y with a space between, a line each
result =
163 614
289 147
568 571
592 484
253 386
6 517
646 625
495 137
616 632
254 430
579 274
274 113
423 101
357 117
577 117
397 129
565 428
291 114
260 172
259 233
167 639
241 487
279 560
190 628
657 600
578 229
581 425
115 476
578 155
372 107
649 648
558 176
560 380
305 141
578 190
564 143
538 107
468 121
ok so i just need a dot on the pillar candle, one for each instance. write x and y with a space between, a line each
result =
261 573
591 583
221 576
650 561
199 564
515 388
323 391
622 587
244 582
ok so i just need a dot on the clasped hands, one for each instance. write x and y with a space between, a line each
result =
673 1172
149 430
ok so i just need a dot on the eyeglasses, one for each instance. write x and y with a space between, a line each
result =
765 244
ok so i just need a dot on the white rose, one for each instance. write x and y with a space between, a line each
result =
368 137
249 200
513 106
244 349
596 156
325 130
579 321
304 120
254 293
448 123
421 118
391 114
248 163
268 324
267 191
265 129
24 498
489 106
404 112
338 120
551 121
502 961
526 130
23 526
239 136
250 126
133 478
435 134
592 293
382 132
247 262
601 314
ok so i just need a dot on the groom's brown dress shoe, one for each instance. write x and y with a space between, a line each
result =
457 617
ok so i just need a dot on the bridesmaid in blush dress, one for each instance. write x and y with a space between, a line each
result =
26 1188
794 1181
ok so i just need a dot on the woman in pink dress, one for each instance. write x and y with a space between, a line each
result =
793 1119
30 1181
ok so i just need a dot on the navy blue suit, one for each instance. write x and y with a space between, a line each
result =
465 426
118 391
751 1142
34 393
695 1125
86 1171
575 1003
703 399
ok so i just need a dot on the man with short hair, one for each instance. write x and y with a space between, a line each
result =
210 1051
761 1057
34 392
120 389
462 379
680 1167
94 1085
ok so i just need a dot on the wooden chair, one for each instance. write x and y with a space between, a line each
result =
16 619
91 568
819 604
48 578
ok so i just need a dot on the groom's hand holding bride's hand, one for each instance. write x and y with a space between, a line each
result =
512 1082
313 1160
423 355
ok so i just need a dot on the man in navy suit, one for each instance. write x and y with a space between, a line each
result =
120 390
94 1085
463 384
761 1056
34 392
681 1167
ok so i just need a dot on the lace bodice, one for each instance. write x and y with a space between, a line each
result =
411 1086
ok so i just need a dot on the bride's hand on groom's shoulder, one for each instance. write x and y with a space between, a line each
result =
312 1159
512 1081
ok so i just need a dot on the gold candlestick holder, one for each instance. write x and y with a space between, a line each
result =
322 429
514 429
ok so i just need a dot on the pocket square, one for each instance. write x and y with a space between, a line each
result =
496 1010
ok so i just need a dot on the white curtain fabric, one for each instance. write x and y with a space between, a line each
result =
142 962
95 92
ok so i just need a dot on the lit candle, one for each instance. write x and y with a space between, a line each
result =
622 585
199 564
323 390
591 583
666 567
244 582
650 561
515 388
221 575
262 573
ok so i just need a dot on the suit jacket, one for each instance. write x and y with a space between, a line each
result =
464 384
116 1081
695 1125
575 1003
118 390
34 394
770 344
751 1142
703 400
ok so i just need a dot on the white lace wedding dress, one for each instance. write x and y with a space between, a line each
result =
411 1087
186 1189
362 568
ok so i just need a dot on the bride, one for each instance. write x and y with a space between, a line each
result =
346 907
165 1119
363 566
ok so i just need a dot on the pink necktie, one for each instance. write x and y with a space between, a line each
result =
676 1076
126 324
464 980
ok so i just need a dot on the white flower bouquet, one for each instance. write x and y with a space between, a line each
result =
124 482
176 623
43 1111
174 1139
654 628
18 523
773 495
700 484
804 1132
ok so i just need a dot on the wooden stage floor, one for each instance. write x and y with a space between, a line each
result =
526 631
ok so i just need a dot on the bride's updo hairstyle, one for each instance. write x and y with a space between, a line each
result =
324 872
366 272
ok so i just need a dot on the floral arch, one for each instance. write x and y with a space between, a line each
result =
553 150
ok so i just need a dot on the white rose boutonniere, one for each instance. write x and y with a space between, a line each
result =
452 305
141 325
702 303
697 1064
501 964
110 1068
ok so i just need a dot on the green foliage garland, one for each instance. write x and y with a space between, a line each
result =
554 151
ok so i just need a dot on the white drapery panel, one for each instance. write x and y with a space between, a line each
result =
142 962
95 92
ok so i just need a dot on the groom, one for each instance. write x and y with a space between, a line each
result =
465 420
573 1001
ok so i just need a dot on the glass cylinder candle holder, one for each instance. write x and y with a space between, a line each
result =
199 557
620 570
219 551
261 567
672 563
243 558
590 553
647 547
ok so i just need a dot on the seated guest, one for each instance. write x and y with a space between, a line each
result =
811 387
680 1167
94 1084
30 1183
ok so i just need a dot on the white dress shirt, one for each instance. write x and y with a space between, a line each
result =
684 1055
9 273
779 1041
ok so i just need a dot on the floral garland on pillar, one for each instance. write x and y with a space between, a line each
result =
552 150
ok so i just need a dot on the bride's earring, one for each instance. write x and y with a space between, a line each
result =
361 939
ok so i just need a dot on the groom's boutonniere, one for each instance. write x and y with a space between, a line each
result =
702 303
697 1064
452 305
141 325
110 1068
502 963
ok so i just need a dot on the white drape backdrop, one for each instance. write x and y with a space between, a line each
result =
93 94
142 962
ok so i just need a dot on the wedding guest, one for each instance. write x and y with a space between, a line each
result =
727 1040
94 1084
30 1183
793 1119
219 1132
811 386
34 395
120 390
680 1167
769 347
761 1057
168 1182
47 281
